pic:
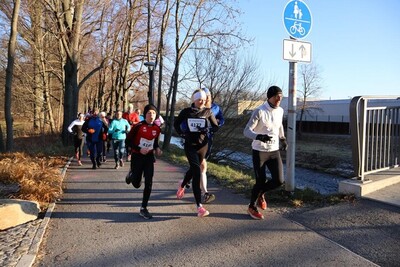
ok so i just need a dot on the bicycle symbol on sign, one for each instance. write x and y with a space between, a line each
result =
297 28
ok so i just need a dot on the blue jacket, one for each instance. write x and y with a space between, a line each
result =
96 124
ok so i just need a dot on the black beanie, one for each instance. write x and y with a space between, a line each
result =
273 91
149 107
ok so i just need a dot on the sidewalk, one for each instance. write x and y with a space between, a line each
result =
97 224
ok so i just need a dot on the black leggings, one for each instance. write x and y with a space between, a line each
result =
195 156
78 145
273 161
143 165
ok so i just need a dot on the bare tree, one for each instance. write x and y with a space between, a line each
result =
310 83
230 78
69 17
9 75
206 19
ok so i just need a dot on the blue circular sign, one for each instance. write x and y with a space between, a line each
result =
297 19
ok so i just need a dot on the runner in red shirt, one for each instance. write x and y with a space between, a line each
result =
143 140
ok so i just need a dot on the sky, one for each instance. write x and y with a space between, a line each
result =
354 43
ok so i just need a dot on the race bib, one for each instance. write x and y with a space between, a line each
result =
272 144
195 123
145 143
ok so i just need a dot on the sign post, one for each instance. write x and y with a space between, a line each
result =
297 22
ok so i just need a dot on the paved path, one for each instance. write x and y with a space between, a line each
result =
97 224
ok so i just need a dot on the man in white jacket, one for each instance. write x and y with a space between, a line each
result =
266 130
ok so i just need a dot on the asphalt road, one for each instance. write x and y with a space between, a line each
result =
96 223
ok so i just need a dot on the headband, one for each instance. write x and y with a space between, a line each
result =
199 95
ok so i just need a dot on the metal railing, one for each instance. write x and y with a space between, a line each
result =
375 133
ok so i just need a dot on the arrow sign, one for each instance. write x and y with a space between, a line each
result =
296 51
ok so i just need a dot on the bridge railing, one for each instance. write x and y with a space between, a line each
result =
375 133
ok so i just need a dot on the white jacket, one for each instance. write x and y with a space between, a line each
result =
265 120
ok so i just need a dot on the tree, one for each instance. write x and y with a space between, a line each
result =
206 19
69 21
230 77
9 75
310 83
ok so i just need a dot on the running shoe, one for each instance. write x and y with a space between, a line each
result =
145 213
261 203
137 182
202 212
208 197
116 166
128 178
254 213
181 190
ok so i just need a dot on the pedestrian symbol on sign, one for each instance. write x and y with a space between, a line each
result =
297 19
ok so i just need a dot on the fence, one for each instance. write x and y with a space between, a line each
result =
375 133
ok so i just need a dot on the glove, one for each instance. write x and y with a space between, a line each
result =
284 144
263 138
202 130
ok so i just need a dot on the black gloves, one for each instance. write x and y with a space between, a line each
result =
263 138
283 145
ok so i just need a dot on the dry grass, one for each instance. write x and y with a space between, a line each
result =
39 179
34 172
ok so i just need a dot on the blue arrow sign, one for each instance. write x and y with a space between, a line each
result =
297 19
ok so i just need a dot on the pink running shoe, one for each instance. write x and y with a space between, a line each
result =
202 212
181 191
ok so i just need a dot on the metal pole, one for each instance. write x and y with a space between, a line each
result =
291 128
151 86
150 94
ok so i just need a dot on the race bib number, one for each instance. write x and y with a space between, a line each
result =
272 144
196 123
145 143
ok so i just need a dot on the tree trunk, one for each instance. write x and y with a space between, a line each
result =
70 108
9 76
72 22
170 122
2 148
37 36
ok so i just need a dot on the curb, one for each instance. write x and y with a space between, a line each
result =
29 258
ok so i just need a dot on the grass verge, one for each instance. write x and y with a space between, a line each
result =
242 181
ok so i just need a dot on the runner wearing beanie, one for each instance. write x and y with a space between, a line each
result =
143 139
266 130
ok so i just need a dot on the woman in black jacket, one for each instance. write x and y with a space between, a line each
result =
193 124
